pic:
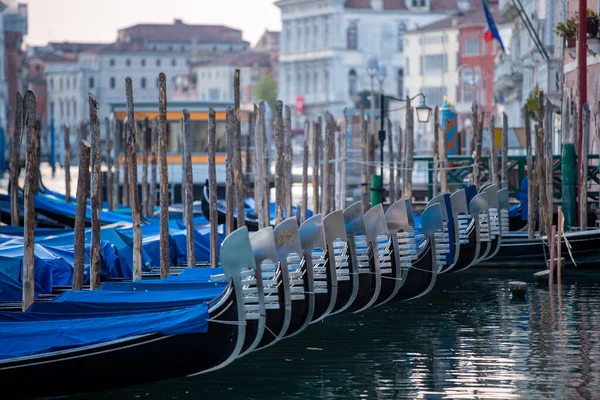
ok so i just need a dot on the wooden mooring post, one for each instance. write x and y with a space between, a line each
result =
410 149
493 162
344 160
229 163
280 165
315 166
305 150
444 159
29 195
238 171
400 162
531 187
133 190
212 188
15 161
145 146
476 138
540 170
67 163
585 143
117 143
188 202
96 160
259 177
391 160
504 155
289 158
153 165
364 171
109 164
165 259
125 188
83 190
326 181
265 169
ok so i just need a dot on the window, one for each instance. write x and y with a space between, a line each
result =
315 82
91 82
74 104
60 83
315 35
352 83
298 37
68 83
158 62
213 94
143 62
307 83
306 35
74 82
51 109
61 108
352 36
435 95
143 83
433 64
112 83
400 83
51 83
112 62
288 37
400 38
326 82
173 62
128 62
326 32
419 3
470 46
298 81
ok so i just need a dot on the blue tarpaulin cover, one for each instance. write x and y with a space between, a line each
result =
102 301
38 335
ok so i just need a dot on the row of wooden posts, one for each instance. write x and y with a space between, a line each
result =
327 142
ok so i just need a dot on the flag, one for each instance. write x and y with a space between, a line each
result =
491 32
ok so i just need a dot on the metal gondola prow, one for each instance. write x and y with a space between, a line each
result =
343 280
292 264
312 239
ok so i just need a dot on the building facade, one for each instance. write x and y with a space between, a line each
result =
532 58
325 45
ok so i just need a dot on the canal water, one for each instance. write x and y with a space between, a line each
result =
467 339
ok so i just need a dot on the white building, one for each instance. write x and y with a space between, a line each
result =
325 45
432 70
526 64
141 53
214 80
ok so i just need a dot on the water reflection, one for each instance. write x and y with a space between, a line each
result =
467 339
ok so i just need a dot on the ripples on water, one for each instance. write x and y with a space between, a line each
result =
467 339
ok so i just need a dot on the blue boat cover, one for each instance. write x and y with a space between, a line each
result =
102 301
57 206
161 285
39 336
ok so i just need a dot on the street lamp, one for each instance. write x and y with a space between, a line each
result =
423 116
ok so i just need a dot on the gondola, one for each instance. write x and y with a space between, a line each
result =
209 336
476 235
466 232
422 274
368 283
448 247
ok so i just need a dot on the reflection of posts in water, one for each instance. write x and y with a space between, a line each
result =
559 248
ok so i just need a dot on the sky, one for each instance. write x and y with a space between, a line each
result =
99 20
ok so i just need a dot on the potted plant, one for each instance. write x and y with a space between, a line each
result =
568 31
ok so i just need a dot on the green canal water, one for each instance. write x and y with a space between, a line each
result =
467 339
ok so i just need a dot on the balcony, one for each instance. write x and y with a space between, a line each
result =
507 75
508 10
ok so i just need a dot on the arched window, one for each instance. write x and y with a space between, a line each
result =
74 105
307 83
143 83
400 36
113 82
352 36
400 82
352 83
128 62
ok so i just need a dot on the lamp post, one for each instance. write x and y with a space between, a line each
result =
423 116
381 75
